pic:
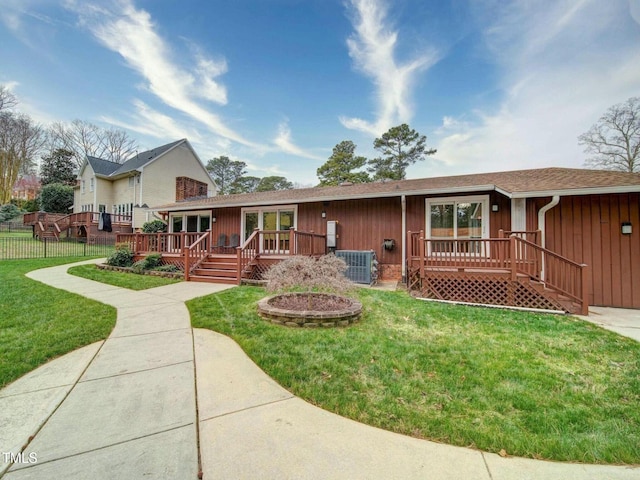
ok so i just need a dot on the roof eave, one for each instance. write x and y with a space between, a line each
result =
399 193
578 191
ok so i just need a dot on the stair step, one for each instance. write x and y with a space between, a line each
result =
219 265
224 280
214 272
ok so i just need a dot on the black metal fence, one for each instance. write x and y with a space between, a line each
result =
26 247
14 227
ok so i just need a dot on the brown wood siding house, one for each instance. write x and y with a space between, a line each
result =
579 212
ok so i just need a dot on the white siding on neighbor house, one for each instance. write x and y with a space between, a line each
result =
84 196
103 194
159 179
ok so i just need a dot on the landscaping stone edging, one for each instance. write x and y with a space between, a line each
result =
104 266
309 318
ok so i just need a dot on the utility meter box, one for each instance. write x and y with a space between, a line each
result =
332 234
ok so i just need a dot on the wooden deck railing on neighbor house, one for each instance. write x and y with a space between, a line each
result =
465 259
64 220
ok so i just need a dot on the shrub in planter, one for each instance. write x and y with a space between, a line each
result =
167 268
122 257
303 273
148 263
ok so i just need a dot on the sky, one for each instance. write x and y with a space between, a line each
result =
494 84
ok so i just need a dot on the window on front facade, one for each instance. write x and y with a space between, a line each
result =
91 184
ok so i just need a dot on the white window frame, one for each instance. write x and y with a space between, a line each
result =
486 215
184 215
260 211
92 184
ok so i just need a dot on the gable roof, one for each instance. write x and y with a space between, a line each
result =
107 168
144 158
514 184
101 166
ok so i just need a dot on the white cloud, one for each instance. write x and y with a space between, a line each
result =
285 144
562 64
131 33
373 48
147 121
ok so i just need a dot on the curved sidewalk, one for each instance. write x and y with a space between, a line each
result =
161 400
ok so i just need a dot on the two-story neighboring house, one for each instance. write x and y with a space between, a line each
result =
169 173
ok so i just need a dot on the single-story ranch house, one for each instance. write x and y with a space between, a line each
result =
553 238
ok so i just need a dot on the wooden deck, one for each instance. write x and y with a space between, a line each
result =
203 259
504 271
82 226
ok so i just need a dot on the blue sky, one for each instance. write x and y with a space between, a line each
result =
495 85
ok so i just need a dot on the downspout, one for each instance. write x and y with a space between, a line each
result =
403 201
542 216
542 226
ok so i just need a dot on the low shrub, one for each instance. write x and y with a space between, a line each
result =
167 268
155 226
150 262
122 257
327 274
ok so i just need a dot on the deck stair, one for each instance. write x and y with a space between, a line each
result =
217 268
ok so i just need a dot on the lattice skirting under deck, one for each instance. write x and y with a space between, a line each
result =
486 289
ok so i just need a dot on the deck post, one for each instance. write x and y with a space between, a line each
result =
239 264
422 259
185 254
585 297
313 244
136 248
512 254
292 241
501 233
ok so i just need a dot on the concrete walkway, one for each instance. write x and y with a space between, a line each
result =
160 400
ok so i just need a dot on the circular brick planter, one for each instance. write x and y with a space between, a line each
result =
348 312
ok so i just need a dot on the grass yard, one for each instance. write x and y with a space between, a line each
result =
533 385
131 281
39 323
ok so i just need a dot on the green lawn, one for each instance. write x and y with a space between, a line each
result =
539 386
39 323
131 281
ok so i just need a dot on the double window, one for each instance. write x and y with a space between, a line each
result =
270 219
454 223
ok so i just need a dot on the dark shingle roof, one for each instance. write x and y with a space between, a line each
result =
143 158
111 169
101 166
519 183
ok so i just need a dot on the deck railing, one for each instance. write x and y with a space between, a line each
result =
514 255
65 220
193 248
195 252
277 243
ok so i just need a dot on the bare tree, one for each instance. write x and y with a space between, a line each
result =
7 99
614 141
20 141
84 138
